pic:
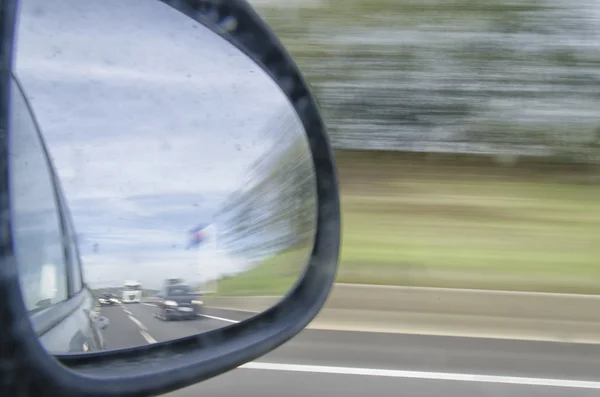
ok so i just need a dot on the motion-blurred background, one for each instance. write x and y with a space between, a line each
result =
467 136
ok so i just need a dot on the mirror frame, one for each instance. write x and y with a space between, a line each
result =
28 370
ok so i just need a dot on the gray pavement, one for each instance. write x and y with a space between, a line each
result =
451 312
260 383
346 363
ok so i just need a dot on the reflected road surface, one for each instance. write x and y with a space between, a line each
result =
339 363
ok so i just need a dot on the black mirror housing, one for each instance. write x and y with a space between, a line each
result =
28 370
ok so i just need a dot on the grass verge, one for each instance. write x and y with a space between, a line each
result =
448 223
417 220
273 277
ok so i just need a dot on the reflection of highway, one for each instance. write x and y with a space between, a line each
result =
135 324
341 364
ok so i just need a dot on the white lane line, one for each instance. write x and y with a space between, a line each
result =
143 330
127 311
147 336
579 384
138 323
219 318
227 320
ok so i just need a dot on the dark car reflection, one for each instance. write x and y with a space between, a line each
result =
175 302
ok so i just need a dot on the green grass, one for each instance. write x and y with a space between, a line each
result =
450 228
445 224
275 276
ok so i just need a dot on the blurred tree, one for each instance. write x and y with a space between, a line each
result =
275 209
470 76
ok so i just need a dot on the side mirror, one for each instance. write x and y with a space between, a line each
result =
161 367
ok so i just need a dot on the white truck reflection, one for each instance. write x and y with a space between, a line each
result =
132 292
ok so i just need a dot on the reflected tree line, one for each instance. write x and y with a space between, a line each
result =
508 79
275 209
516 78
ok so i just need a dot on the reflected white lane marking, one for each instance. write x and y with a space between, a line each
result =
147 336
138 323
143 330
227 320
579 384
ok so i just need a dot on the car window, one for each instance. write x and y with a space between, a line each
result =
36 227
180 290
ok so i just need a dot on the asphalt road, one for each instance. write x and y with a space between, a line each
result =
342 364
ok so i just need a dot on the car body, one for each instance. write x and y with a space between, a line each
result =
61 306
178 301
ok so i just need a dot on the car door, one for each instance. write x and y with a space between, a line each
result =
88 318
49 268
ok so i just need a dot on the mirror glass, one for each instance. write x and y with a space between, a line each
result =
187 197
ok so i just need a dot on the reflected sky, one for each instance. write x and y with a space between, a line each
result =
152 121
